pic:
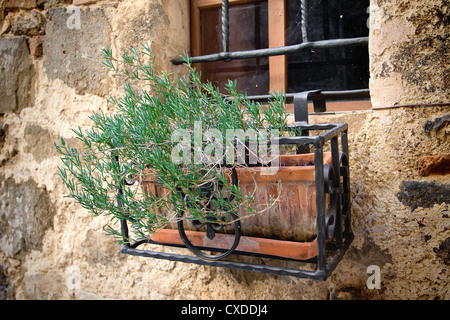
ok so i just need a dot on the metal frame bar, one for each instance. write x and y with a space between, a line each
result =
225 26
304 11
319 99
268 52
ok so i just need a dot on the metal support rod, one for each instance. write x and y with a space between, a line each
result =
268 52
344 143
320 204
298 273
304 8
328 95
301 115
225 26
337 170
119 194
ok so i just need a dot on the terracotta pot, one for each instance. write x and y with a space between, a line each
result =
285 228
293 215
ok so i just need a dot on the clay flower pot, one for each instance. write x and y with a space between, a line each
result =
284 228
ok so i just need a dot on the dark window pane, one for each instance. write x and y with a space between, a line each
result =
330 69
248 30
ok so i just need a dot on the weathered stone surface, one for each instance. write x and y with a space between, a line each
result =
42 286
78 2
408 40
97 250
76 260
29 24
3 129
35 44
72 48
443 251
424 194
437 124
437 164
22 4
4 283
26 213
45 4
162 25
16 74
5 23
39 142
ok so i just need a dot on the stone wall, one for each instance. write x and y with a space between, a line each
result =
52 79
408 47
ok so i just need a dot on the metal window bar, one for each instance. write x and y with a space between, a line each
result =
318 97
236 55
304 9
225 26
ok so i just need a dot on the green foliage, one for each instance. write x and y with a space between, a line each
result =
137 140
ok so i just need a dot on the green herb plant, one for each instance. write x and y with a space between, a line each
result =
120 149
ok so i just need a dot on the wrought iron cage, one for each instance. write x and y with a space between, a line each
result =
330 249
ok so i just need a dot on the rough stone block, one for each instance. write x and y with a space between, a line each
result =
72 48
23 4
26 213
78 2
35 44
16 73
29 24
3 130
443 251
423 194
408 52
437 164
45 4
5 23
39 142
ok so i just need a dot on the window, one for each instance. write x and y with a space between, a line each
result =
277 23
344 68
